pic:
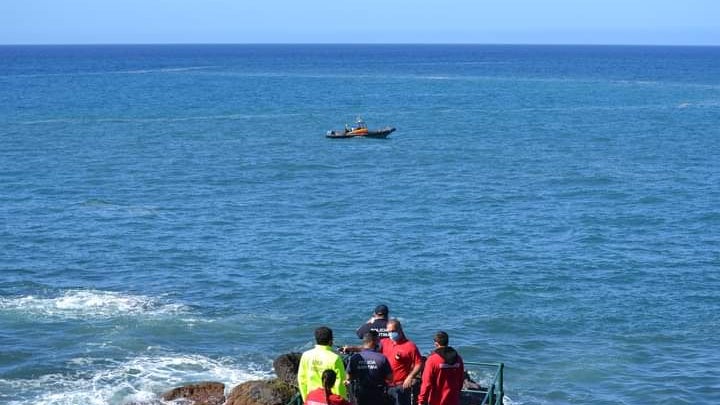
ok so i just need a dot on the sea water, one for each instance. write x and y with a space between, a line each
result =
174 214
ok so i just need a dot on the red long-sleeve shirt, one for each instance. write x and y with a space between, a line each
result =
441 382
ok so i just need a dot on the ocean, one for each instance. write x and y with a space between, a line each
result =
173 214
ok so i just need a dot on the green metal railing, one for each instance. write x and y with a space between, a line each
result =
491 395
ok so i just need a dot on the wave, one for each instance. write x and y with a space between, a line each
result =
463 77
82 304
113 72
700 104
121 120
162 70
110 209
141 379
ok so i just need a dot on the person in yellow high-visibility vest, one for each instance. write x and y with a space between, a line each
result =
314 361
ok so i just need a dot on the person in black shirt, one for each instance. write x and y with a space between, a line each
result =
368 373
378 323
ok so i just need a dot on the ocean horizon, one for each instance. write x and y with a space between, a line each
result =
172 214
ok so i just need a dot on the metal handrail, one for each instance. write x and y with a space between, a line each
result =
496 390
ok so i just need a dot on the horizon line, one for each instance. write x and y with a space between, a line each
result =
359 43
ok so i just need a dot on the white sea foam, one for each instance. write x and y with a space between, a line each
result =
116 72
143 378
508 401
80 304
106 120
111 209
162 70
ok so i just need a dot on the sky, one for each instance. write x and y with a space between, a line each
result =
629 22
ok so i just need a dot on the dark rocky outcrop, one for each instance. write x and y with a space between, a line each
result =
204 393
267 392
277 391
286 367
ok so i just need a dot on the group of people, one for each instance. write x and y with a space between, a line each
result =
382 370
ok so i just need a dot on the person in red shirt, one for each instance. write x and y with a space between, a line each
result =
443 375
405 362
324 395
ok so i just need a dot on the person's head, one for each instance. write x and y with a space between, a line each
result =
328 380
394 329
370 339
323 336
381 311
441 339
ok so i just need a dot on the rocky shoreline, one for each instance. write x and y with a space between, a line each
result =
275 391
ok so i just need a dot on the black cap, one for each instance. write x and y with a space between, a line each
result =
381 309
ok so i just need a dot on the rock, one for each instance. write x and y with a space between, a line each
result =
267 392
286 367
204 393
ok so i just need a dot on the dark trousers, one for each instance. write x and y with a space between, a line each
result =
370 397
399 395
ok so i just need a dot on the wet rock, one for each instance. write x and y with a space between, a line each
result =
267 392
286 367
204 393
277 391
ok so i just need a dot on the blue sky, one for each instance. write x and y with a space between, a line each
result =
677 22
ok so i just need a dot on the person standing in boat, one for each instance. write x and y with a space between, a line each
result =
315 361
324 395
377 322
367 373
443 375
405 363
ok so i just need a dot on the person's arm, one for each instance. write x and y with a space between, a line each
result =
387 371
461 379
363 329
350 349
425 386
417 358
350 369
340 380
302 379
407 384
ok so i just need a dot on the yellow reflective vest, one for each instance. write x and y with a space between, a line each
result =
312 364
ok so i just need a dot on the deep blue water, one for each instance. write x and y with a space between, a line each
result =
171 214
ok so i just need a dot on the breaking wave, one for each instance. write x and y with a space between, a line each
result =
77 304
141 379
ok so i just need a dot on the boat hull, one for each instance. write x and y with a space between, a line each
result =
375 133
